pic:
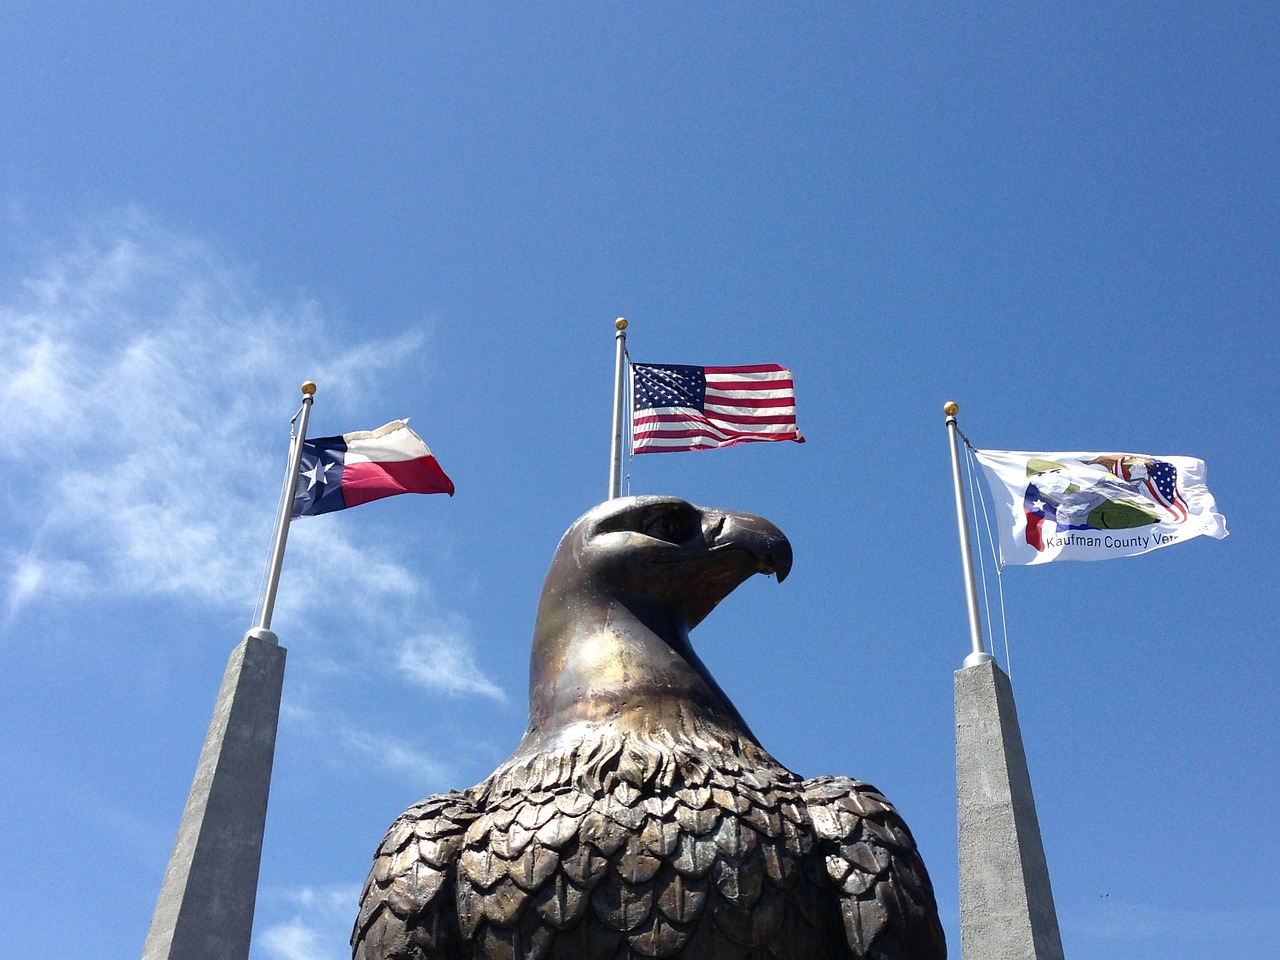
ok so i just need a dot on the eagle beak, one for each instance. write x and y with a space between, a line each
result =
781 561
733 547
757 536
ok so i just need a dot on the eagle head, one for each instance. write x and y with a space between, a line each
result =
628 582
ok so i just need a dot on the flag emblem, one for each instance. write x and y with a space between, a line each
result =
1093 506
680 407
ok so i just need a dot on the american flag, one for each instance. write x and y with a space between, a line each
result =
1161 481
678 407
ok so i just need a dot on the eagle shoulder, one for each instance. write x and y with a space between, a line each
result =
886 898
407 907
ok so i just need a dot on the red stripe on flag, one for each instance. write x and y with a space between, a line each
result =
364 482
714 401
725 418
749 368
706 443
764 418
779 386
651 438
691 430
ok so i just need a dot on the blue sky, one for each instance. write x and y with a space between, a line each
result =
1064 217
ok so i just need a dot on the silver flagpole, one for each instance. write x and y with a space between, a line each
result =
263 625
979 655
619 407
1006 900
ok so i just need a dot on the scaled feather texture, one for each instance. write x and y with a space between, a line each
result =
640 817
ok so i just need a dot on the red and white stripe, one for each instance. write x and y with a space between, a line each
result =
387 461
743 404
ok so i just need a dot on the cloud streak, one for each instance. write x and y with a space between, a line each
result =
150 382
442 661
389 753
133 374
318 928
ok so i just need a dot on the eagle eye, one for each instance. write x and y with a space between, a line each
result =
671 525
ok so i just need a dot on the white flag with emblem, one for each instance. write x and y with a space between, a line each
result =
1095 506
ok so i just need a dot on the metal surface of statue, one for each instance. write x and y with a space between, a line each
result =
640 817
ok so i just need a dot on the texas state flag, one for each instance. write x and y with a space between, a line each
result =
346 471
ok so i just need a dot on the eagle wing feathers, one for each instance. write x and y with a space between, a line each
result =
407 908
731 864
886 899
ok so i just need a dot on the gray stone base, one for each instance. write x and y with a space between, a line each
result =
1006 904
205 908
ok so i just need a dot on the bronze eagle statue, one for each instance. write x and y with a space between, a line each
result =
640 817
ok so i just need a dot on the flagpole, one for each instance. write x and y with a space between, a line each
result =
979 654
619 406
210 888
1006 900
263 626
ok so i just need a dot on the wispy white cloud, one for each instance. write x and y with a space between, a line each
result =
318 928
136 373
442 661
151 383
294 940
390 753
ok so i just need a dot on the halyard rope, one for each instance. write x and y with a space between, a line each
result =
997 562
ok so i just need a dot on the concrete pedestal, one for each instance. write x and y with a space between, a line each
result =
1006 904
205 908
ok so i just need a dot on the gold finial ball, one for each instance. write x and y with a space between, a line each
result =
308 388
621 323
951 408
